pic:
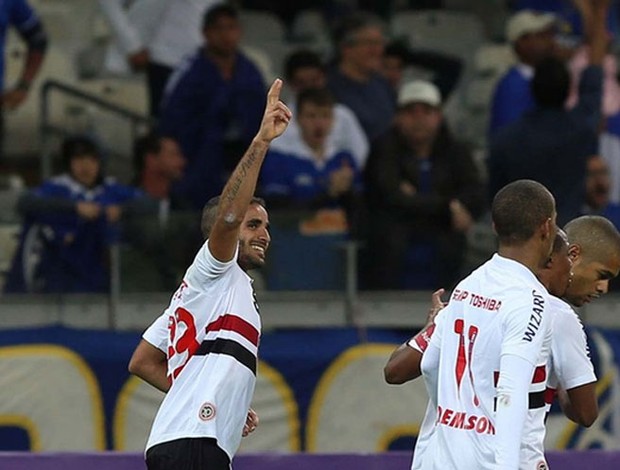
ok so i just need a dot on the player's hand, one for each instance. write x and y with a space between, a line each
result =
436 305
276 117
251 422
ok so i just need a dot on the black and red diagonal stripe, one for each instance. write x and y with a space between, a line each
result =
228 346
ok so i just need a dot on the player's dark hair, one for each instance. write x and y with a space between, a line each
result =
316 96
519 209
213 15
209 213
300 59
561 240
597 236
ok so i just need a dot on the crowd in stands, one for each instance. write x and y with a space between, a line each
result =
369 156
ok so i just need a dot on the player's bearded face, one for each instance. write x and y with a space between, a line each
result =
254 238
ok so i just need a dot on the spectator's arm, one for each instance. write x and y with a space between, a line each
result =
383 175
353 136
127 36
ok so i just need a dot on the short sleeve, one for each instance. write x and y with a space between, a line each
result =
569 351
206 266
157 333
526 326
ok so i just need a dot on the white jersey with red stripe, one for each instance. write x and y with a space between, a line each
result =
498 311
213 328
569 366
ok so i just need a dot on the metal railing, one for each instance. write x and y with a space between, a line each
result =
47 128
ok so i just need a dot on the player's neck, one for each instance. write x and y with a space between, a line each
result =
523 254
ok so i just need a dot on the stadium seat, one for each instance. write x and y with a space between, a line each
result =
309 30
454 32
490 62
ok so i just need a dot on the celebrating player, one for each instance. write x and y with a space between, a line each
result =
203 350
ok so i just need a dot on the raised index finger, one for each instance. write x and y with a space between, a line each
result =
273 96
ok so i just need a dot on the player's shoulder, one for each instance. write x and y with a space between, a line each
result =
564 316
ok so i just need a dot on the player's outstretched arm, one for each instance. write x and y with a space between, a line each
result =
239 189
150 364
404 363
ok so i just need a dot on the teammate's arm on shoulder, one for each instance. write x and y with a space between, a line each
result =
579 404
404 363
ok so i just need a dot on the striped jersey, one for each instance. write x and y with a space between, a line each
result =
213 331
569 366
497 312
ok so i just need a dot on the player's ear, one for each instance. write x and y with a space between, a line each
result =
574 251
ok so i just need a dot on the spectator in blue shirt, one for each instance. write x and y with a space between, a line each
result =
567 11
311 173
213 107
69 223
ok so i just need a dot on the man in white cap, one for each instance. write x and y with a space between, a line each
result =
424 189
531 35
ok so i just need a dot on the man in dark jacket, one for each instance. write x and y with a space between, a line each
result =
213 107
424 191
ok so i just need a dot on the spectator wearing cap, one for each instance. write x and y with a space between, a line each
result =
531 35
69 223
423 192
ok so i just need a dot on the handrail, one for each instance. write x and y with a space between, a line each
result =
49 85
91 98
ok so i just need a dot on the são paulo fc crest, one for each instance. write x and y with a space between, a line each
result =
207 412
